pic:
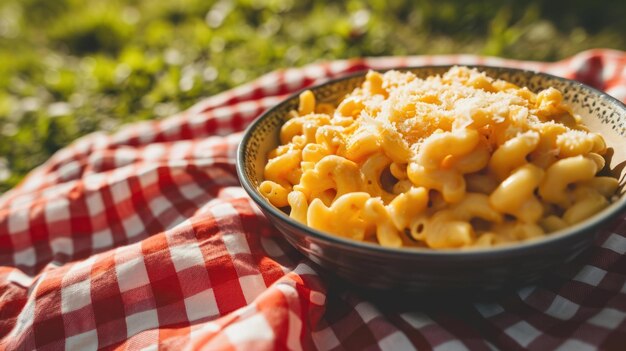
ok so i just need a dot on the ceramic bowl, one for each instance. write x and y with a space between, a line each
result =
425 270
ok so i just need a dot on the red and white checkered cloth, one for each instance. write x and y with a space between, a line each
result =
144 240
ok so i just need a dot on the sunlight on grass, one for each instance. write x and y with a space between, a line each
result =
71 67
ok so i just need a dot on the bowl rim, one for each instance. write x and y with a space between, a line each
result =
552 239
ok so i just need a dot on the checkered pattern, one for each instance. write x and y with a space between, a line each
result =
144 240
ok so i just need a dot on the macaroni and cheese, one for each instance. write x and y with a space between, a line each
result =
450 161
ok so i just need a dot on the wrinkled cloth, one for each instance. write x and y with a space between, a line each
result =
144 239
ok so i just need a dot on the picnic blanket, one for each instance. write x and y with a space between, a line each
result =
144 239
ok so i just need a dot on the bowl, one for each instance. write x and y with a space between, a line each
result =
414 270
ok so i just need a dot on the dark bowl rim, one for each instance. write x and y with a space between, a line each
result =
553 239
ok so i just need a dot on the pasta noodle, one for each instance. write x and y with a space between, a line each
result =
451 161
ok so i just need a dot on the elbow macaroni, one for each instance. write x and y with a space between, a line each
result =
451 161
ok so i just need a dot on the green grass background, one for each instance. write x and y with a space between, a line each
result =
71 67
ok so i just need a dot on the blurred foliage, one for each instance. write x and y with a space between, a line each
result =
71 67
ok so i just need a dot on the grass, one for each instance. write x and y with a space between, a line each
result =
71 67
